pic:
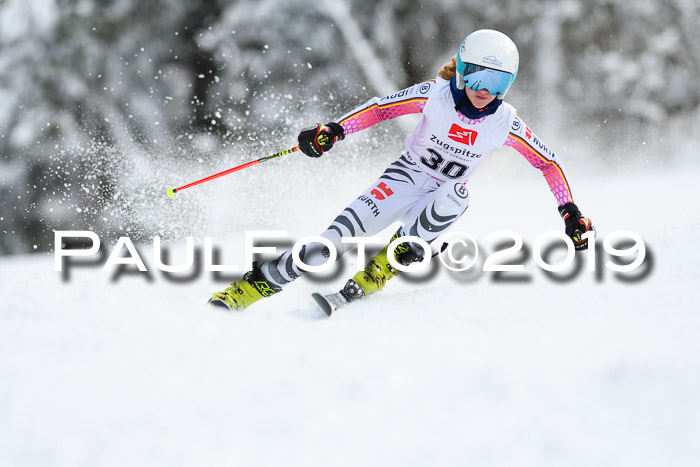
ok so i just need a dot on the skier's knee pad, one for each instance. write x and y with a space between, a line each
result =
451 199
445 206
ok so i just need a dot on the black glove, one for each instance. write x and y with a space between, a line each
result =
576 225
317 139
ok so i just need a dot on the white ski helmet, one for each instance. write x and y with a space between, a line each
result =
487 59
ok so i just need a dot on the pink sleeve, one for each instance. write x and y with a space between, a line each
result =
408 101
539 156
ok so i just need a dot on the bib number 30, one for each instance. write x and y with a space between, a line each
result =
436 162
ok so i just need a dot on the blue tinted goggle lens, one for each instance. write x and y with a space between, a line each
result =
478 77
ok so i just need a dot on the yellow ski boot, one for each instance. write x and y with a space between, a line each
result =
373 279
378 271
243 293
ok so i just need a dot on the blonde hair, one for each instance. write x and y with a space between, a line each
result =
449 69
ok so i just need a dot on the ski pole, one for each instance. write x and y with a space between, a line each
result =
171 191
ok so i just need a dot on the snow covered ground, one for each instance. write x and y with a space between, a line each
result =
449 371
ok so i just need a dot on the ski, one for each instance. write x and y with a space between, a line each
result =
329 303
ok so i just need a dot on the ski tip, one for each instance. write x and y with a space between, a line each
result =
218 305
323 303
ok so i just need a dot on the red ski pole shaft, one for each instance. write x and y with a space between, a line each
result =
171 191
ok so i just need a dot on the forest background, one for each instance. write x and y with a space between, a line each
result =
103 102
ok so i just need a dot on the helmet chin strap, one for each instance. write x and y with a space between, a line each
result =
460 81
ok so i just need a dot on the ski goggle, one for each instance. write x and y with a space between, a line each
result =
478 77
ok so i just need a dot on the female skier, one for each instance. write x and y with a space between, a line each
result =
464 119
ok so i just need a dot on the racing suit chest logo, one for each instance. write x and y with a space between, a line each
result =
462 135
